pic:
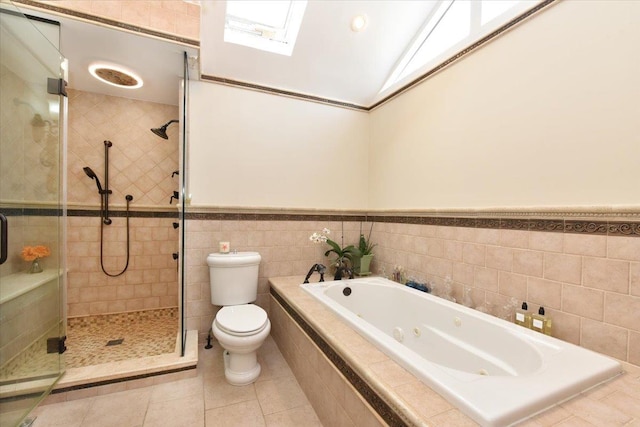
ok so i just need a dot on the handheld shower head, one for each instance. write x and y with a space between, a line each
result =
162 130
91 174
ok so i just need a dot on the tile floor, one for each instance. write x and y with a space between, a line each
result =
144 333
275 399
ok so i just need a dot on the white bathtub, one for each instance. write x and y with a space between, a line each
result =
496 372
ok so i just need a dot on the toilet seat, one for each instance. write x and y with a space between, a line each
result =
241 320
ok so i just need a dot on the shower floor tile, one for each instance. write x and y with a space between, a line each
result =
100 339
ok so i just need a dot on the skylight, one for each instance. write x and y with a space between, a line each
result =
271 26
452 26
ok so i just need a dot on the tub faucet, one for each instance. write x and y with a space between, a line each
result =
316 267
342 271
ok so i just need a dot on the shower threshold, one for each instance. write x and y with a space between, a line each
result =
131 369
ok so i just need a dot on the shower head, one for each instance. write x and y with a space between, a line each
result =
162 130
91 174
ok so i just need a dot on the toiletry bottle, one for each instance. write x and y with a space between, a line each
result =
523 317
541 323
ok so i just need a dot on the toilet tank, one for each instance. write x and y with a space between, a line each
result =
233 277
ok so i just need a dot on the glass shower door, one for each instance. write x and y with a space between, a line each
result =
31 207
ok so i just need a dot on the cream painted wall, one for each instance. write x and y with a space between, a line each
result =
547 114
251 149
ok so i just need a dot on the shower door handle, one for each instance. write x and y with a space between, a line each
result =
3 244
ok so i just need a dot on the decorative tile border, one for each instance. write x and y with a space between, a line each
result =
86 213
230 216
592 227
381 407
122 214
108 22
576 226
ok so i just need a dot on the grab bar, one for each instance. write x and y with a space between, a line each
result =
4 229
106 219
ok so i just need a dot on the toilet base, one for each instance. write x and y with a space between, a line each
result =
241 369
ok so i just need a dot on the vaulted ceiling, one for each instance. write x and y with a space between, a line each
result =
329 59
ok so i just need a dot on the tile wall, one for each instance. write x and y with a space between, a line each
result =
174 17
589 284
333 398
141 164
284 246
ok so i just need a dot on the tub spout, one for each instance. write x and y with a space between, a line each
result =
316 267
343 271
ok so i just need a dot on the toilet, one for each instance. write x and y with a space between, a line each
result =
239 327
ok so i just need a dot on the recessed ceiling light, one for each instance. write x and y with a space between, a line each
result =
358 23
115 75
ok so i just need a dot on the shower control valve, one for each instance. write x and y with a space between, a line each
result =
175 195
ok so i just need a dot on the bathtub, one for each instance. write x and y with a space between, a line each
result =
496 372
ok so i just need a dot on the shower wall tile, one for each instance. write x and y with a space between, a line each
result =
173 17
141 165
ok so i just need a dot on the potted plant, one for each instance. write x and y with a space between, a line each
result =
365 247
345 257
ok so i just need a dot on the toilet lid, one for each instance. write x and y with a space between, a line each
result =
241 318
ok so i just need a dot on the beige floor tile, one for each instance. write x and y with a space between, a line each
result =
191 387
243 414
272 362
68 414
210 362
296 417
280 394
186 411
124 409
219 393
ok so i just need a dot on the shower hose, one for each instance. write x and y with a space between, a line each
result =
129 198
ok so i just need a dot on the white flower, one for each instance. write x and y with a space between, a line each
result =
319 238
326 231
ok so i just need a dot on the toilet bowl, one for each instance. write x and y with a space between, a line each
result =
241 330
239 327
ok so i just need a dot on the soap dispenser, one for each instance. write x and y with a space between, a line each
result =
541 323
523 317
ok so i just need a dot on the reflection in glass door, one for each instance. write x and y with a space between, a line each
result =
31 204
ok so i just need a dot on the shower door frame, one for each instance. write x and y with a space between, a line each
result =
182 212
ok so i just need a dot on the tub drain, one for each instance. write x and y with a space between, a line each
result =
483 372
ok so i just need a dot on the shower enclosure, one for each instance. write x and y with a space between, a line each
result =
32 113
